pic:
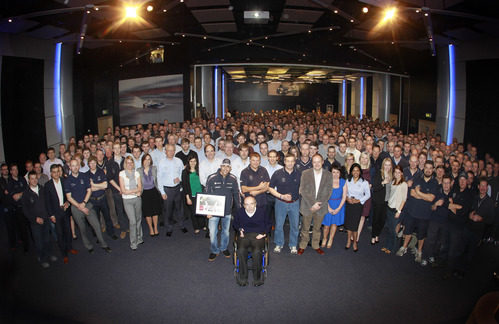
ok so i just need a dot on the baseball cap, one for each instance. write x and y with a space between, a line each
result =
226 162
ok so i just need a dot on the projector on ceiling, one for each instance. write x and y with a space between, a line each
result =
256 17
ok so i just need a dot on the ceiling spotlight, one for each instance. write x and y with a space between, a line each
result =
131 12
164 10
96 8
247 43
204 37
335 11
183 35
330 28
263 46
150 8
365 10
309 31
304 54
181 0
266 37
209 49
351 20
10 20
390 14
393 43
418 11
426 14
121 41
88 11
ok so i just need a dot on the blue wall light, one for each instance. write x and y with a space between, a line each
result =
361 106
344 97
216 92
223 95
57 88
451 109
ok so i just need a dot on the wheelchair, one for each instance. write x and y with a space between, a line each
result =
264 260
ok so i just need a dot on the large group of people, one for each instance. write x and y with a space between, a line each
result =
321 172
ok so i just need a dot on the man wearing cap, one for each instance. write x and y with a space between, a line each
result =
222 183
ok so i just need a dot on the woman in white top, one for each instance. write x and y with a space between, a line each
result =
358 192
396 201
131 189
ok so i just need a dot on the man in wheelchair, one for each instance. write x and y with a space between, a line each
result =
252 226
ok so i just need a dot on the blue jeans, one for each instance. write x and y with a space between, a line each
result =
224 235
293 211
390 225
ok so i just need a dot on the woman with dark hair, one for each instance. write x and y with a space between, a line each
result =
396 201
381 189
336 207
151 198
192 186
358 193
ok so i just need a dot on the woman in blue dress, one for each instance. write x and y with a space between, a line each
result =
336 208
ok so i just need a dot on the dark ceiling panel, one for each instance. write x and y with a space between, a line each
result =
299 15
212 15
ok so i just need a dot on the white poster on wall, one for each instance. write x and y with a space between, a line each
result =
151 99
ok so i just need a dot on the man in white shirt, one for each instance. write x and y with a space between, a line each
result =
275 143
264 150
353 149
159 152
209 165
51 160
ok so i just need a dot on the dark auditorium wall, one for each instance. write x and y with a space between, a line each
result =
482 105
23 115
248 96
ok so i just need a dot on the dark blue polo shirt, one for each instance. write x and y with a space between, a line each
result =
421 208
286 183
252 178
408 176
440 215
16 186
77 186
98 177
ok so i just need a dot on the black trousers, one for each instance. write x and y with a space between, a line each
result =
244 245
379 218
63 230
10 225
198 221
22 227
101 206
41 238
436 243
120 211
173 207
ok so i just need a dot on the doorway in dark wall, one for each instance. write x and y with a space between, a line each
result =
23 114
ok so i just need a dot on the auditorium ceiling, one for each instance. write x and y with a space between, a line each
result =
354 33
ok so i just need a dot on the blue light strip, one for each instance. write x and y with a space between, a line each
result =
451 109
216 92
361 104
344 98
223 95
57 87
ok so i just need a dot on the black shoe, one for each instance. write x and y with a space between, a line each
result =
184 230
258 282
226 253
114 237
212 257
107 249
91 251
207 235
168 234
242 282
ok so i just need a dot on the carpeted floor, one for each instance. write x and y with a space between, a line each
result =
169 280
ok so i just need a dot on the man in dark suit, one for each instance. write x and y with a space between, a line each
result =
33 204
58 211
315 190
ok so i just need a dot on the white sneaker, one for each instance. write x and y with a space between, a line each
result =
401 251
419 257
424 262
45 265
277 249
294 250
53 258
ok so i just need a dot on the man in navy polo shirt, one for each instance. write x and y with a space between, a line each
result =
285 185
422 194
255 181
98 185
78 192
